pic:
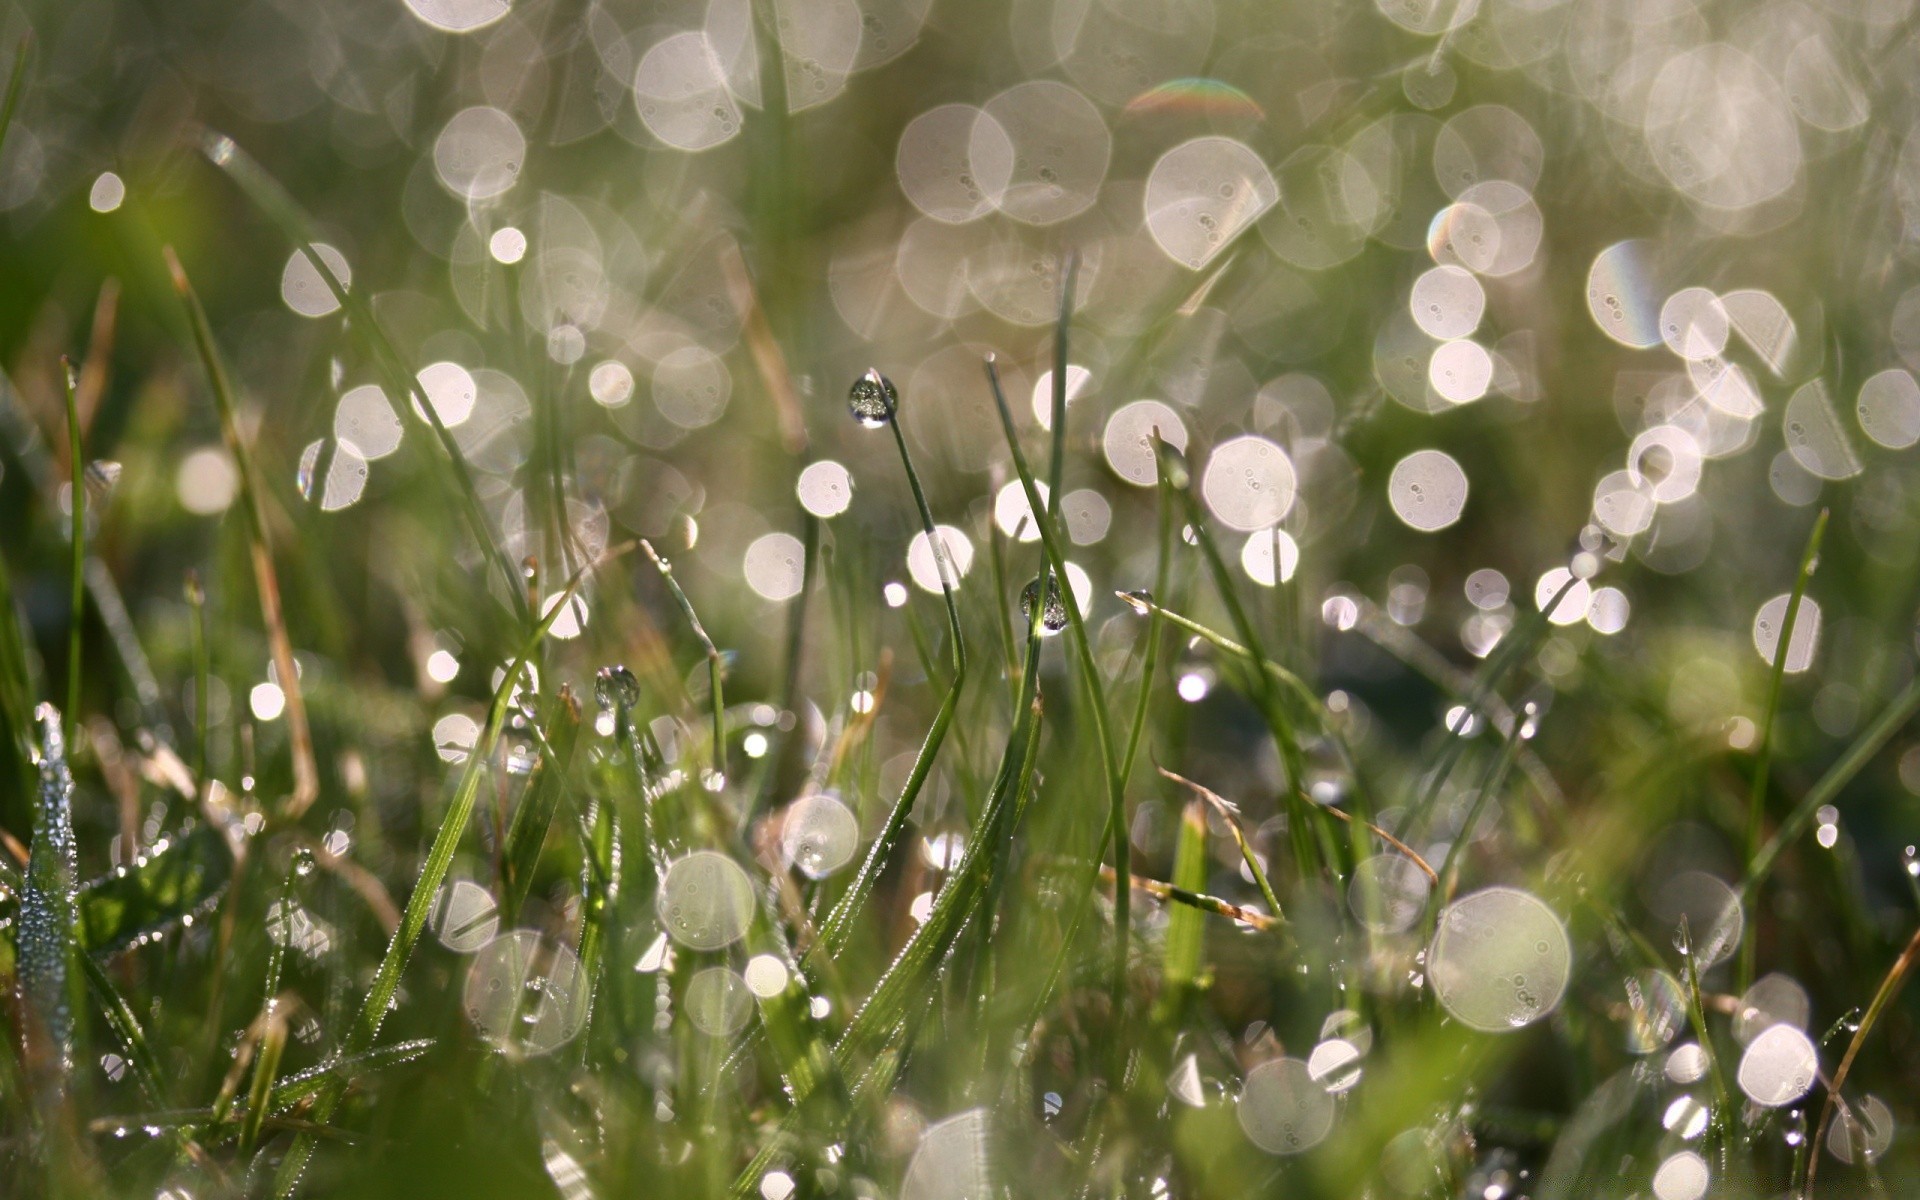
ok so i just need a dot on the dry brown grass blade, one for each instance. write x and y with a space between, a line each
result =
364 883
1231 812
1889 987
95 368
1212 904
768 359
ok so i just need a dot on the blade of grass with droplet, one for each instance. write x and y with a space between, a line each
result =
882 1018
46 921
838 925
306 775
297 227
166 884
716 664
558 736
1897 713
1890 985
1763 757
433 872
1089 673
126 1028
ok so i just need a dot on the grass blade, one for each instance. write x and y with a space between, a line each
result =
838 924
1186 937
1096 699
306 775
47 909
531 819
16 84
294 224
1890 985
716 664
1763 758
1849 764
77 545
433 871
171 881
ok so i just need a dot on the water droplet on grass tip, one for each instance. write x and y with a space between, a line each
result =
616 686
1053 614
873 399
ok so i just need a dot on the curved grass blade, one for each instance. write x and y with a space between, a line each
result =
306 775
1230 813
1890 985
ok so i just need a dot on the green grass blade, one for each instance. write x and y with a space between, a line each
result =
534 816
716 664
16 689
120 1017
77 545
16 84
168 883
297 227
1089 673
1186 932
1763 757
838 925
47 911
1897 713
306 774
433 872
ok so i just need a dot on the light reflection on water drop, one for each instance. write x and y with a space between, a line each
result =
1778 1067
718 1001
1283 1108
819 835
526 994
952 1161
1499 960
705 901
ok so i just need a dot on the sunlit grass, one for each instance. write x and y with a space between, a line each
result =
1415 704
